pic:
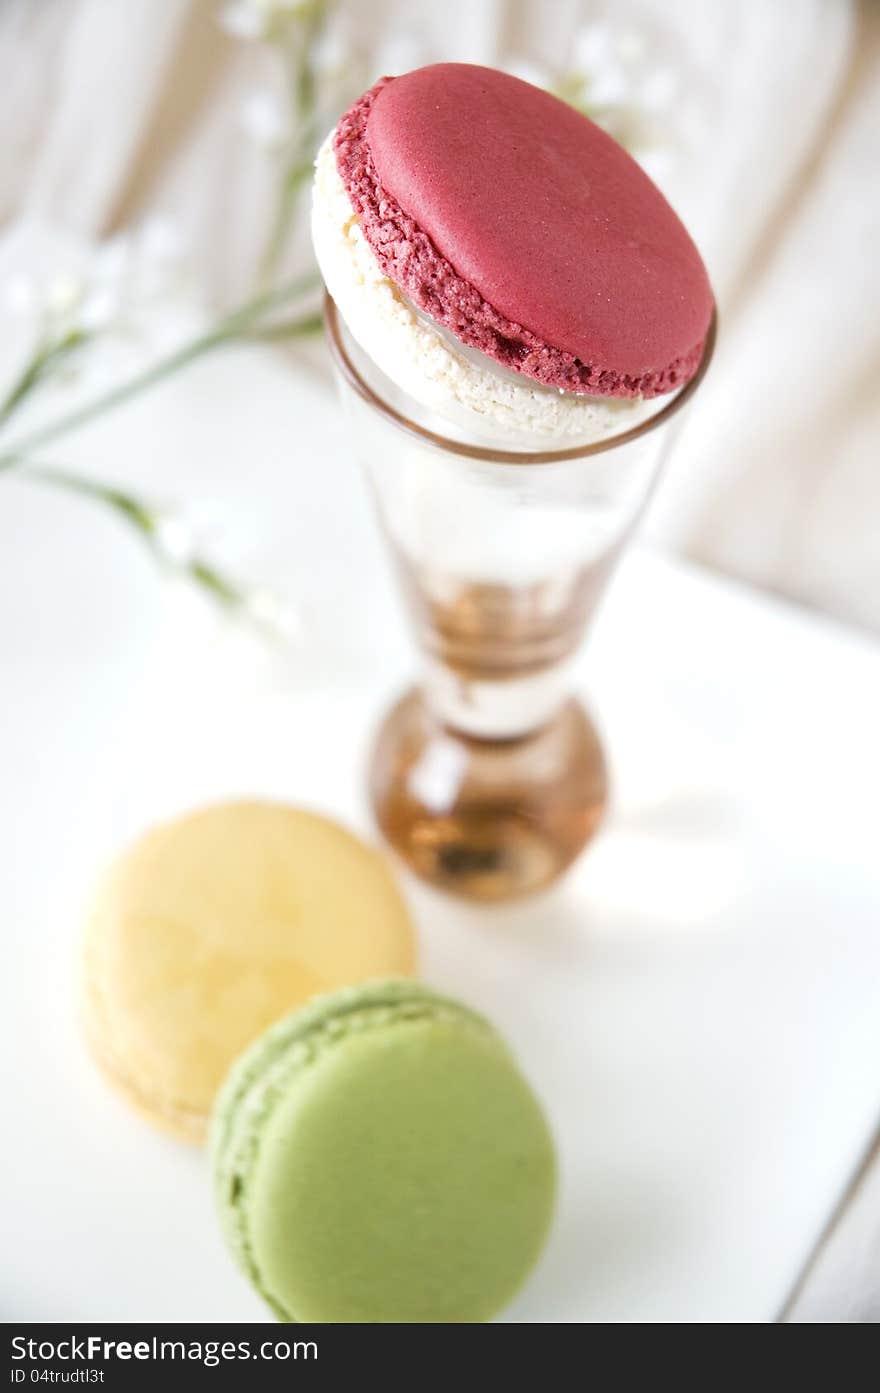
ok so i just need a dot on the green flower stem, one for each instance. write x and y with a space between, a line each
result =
42 363
139 514
144 519
293 182
219 587
289 329
233 326
300 58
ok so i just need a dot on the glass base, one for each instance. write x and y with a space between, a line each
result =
488 820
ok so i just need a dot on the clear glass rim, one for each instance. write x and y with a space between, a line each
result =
488 454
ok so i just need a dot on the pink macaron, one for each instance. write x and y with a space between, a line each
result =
525 230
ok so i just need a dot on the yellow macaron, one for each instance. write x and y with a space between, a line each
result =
213 926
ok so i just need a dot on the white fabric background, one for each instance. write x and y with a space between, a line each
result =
116 111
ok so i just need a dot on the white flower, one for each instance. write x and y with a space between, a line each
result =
527 71
63 294
272 613
256 19
331 55
400 53
110 260
592 49
241 21
160 242
659 90
174 539
628 83
99 309
105 292
608 88
631 45
104 285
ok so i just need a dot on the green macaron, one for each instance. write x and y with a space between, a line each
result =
379 1157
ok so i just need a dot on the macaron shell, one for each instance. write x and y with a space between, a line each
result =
404 1174
526 230
277 1056
214 926
329 1012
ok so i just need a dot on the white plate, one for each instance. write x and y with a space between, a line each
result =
697 1004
